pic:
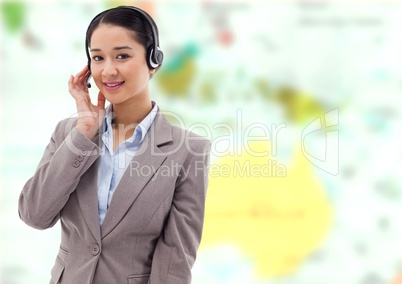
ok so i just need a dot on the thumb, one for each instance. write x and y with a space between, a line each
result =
101 107
101 101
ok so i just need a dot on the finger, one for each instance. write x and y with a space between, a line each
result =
83 78
101 101
83 71
86 88
80 96
78 77
72 86
70 83
81 82
78 83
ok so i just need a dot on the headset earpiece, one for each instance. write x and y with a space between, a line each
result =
158 56
154 59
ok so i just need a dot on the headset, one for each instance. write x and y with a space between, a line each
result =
154 53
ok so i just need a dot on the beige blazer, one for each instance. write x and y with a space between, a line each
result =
152 229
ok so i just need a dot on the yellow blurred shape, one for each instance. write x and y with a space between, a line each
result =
177 82
300 107
276 214
177 73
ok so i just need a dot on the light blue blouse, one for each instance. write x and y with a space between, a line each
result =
113 165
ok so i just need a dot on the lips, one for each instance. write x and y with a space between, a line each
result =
111 86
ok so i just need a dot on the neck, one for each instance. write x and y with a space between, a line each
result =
132 112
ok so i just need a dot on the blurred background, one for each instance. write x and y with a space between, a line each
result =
301 100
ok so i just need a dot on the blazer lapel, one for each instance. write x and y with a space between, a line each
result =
87 195
132 183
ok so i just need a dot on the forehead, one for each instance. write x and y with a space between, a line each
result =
111 35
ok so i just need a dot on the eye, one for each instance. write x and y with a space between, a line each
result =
97 58
122 56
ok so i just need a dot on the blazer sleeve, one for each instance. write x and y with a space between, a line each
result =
65 159
176 249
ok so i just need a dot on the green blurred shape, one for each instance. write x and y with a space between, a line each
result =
178 62
13 14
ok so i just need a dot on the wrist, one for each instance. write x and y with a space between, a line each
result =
86 132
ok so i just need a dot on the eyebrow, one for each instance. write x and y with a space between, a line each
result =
115 48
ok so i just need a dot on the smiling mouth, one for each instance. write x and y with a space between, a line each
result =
114 84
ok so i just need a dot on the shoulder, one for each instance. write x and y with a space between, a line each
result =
173 139
189 142
189 136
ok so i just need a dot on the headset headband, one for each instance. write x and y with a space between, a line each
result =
154 54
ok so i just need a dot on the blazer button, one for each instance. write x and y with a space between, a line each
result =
79 158
76 164
95 249
84 152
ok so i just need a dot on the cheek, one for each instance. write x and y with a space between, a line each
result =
96 72
97 76
137 72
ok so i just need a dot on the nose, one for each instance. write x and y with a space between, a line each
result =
109 69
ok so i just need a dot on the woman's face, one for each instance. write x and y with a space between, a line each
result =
118 64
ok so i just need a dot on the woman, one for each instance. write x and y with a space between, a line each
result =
127 186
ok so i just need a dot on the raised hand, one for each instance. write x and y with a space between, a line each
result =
89 115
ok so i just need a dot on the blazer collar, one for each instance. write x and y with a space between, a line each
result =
162 128
160 125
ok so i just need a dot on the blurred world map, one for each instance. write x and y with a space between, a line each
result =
300 99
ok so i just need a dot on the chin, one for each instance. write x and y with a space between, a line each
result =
114 99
